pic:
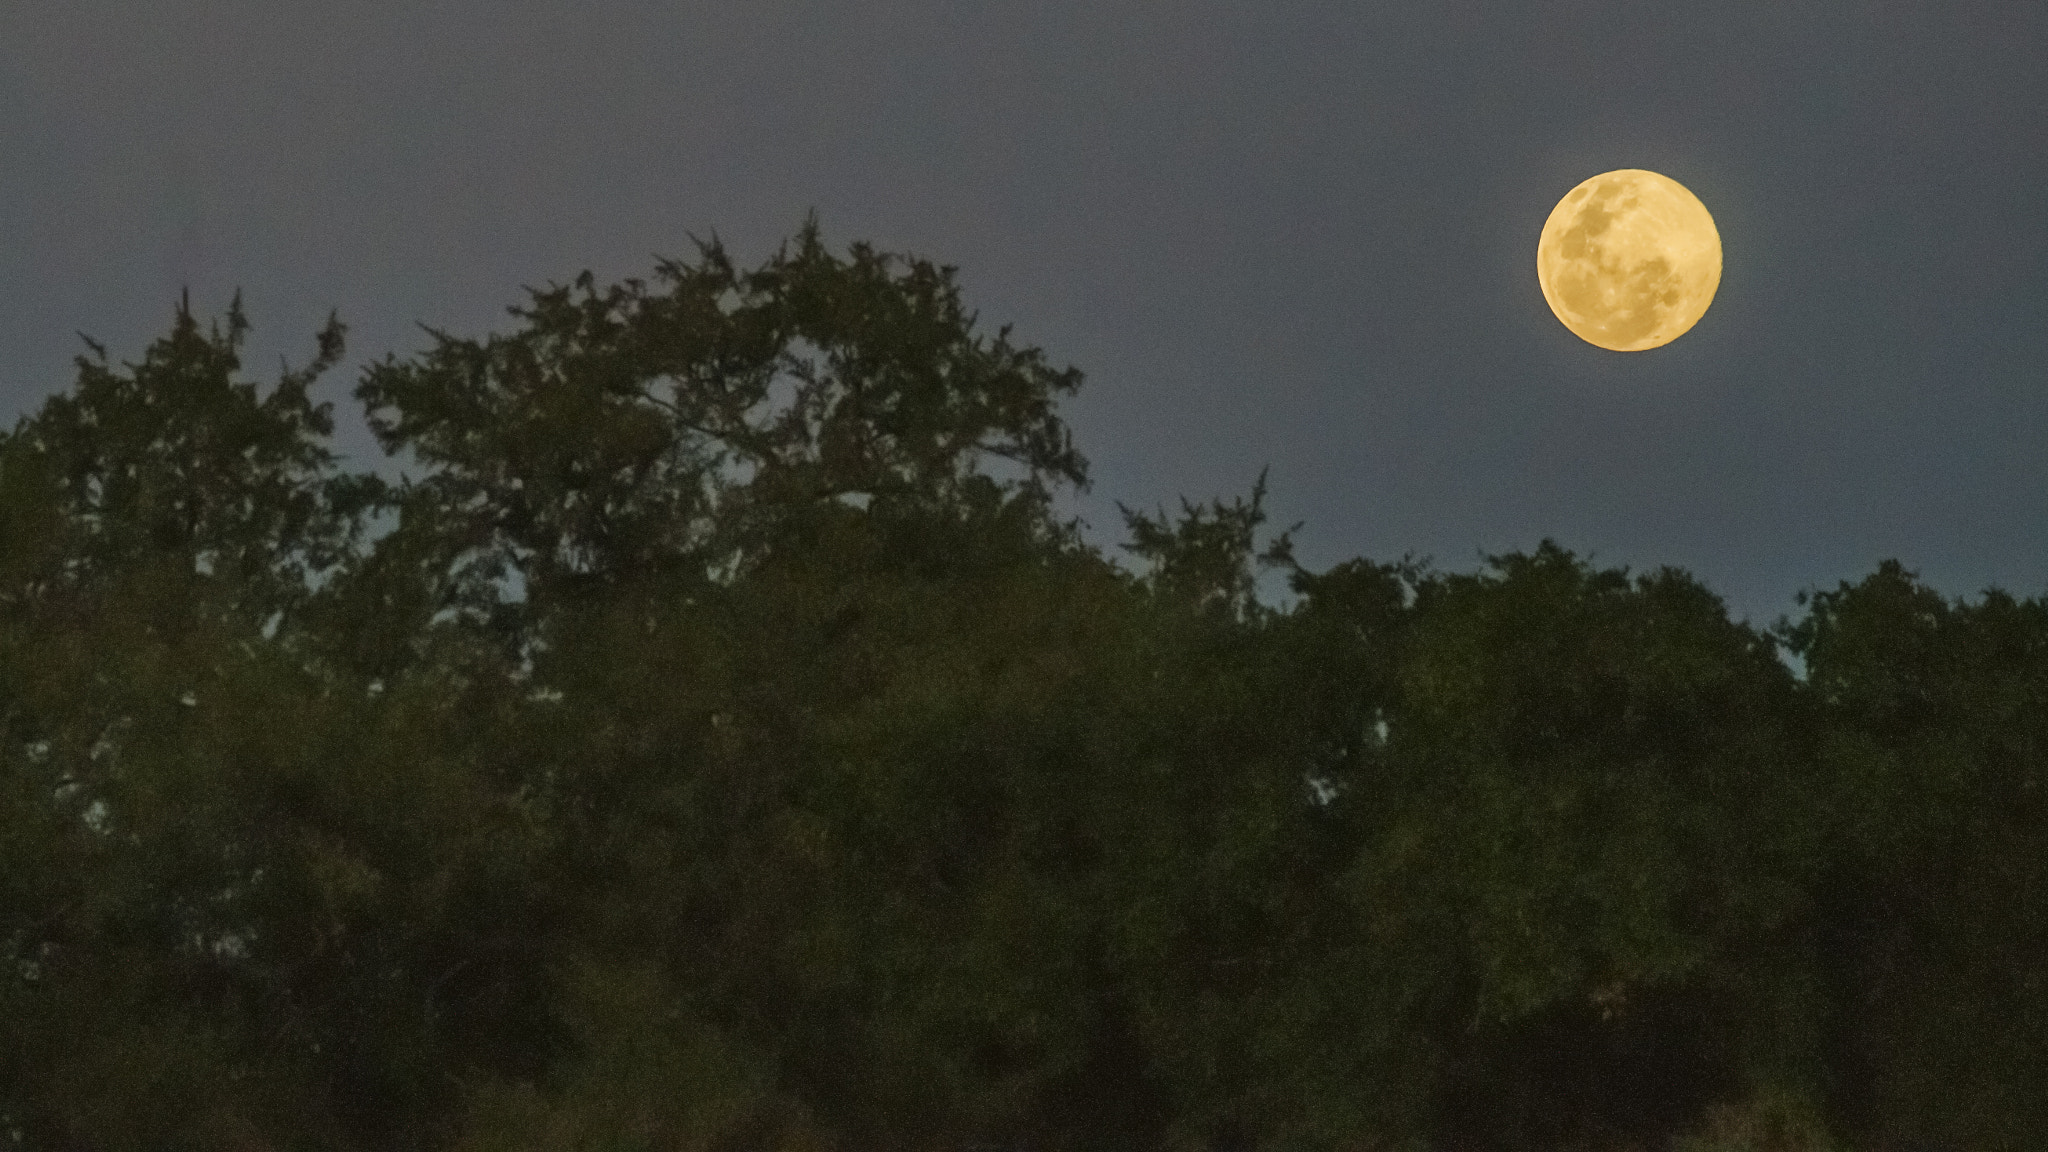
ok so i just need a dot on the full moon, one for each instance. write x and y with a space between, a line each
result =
1629 260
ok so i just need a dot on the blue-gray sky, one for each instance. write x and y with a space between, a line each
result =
1287 233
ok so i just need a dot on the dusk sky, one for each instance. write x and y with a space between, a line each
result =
1285 233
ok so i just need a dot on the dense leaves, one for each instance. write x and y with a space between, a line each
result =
723 747
1935 741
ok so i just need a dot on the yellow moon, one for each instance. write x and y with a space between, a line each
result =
1629 260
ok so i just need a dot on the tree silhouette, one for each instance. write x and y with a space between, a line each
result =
1932 929
718 754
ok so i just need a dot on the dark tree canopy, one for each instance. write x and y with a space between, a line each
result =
634 430
723 748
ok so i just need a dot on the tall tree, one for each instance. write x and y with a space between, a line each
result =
769 486
1590 801
631 431
1933 927
162 528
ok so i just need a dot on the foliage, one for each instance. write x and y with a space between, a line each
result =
1934 722
1774 1120
716 754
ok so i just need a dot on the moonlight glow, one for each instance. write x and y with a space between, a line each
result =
1629 260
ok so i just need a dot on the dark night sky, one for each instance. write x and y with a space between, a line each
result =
1287 233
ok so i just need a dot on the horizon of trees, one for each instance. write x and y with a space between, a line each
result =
714 754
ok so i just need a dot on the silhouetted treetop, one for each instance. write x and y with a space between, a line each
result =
629 429
176 465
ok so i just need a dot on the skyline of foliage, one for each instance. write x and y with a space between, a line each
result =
714 754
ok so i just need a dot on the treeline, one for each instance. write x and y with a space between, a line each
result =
709 752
